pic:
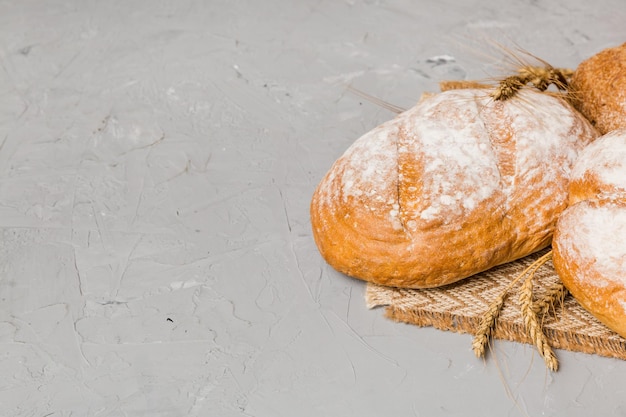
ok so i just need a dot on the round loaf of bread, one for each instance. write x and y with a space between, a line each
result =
452 187
600 170
598 89
589 250
589 256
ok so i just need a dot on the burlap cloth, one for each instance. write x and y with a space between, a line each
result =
458 308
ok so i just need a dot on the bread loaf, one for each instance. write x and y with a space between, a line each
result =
598 89
600 170
589 250
452 187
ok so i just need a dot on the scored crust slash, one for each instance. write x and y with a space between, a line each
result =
466 180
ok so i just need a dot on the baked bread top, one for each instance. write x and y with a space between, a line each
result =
600 170
454 186
598 89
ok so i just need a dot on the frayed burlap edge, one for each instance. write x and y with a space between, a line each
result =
459 307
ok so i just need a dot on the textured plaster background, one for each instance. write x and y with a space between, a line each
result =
157 159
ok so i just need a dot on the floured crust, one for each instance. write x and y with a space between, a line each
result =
590 257
589 250
452 187
598 89
600 170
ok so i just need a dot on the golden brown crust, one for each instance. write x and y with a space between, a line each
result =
600 170
589 251
450 188
598 89
590 258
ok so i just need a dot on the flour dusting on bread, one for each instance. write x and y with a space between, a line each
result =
584 236
459 170
604 161
451 187
589 250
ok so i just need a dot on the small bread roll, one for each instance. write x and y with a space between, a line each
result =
589 250
598 89
452 187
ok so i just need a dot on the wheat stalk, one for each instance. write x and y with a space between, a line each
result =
531 322
487 324
554 292
538 77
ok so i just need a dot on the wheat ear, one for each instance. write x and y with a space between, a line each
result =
555 292
487 324
531 321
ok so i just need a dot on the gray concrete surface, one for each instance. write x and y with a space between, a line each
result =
157 160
